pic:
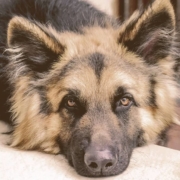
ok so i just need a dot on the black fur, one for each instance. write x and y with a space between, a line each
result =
67 68
153 94
45 106
36 55
62 15
159 46
89 123
4 91
96 61
59 14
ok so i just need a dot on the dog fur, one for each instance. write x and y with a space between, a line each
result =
77 82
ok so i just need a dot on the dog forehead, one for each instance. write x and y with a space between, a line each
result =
98 76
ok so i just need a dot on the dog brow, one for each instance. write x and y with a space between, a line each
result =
96 61
67 68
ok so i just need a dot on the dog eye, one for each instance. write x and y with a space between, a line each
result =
125 101
74 105
71 103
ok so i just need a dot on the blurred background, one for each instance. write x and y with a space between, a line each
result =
124 8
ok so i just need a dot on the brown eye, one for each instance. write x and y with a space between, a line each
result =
125 101
71 103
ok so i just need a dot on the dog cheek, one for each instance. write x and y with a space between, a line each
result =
133 125
38 133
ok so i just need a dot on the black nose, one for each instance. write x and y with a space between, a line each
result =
99 160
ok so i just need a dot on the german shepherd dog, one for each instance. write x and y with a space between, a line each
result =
74 81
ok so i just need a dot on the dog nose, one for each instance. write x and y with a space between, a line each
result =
99 160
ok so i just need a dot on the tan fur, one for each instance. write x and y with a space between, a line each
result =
41 132
23 24
156 7
127 69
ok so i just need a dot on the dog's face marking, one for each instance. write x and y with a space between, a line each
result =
94 96
96 61
103 119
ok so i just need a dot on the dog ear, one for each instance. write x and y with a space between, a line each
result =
150 33
37 47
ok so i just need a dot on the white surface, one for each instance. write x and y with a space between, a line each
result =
147 163
110 7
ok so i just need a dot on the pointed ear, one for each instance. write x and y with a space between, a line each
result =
150 33
38 47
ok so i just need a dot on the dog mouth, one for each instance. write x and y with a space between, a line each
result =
95 162
102 168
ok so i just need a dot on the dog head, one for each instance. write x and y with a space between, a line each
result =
97 95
